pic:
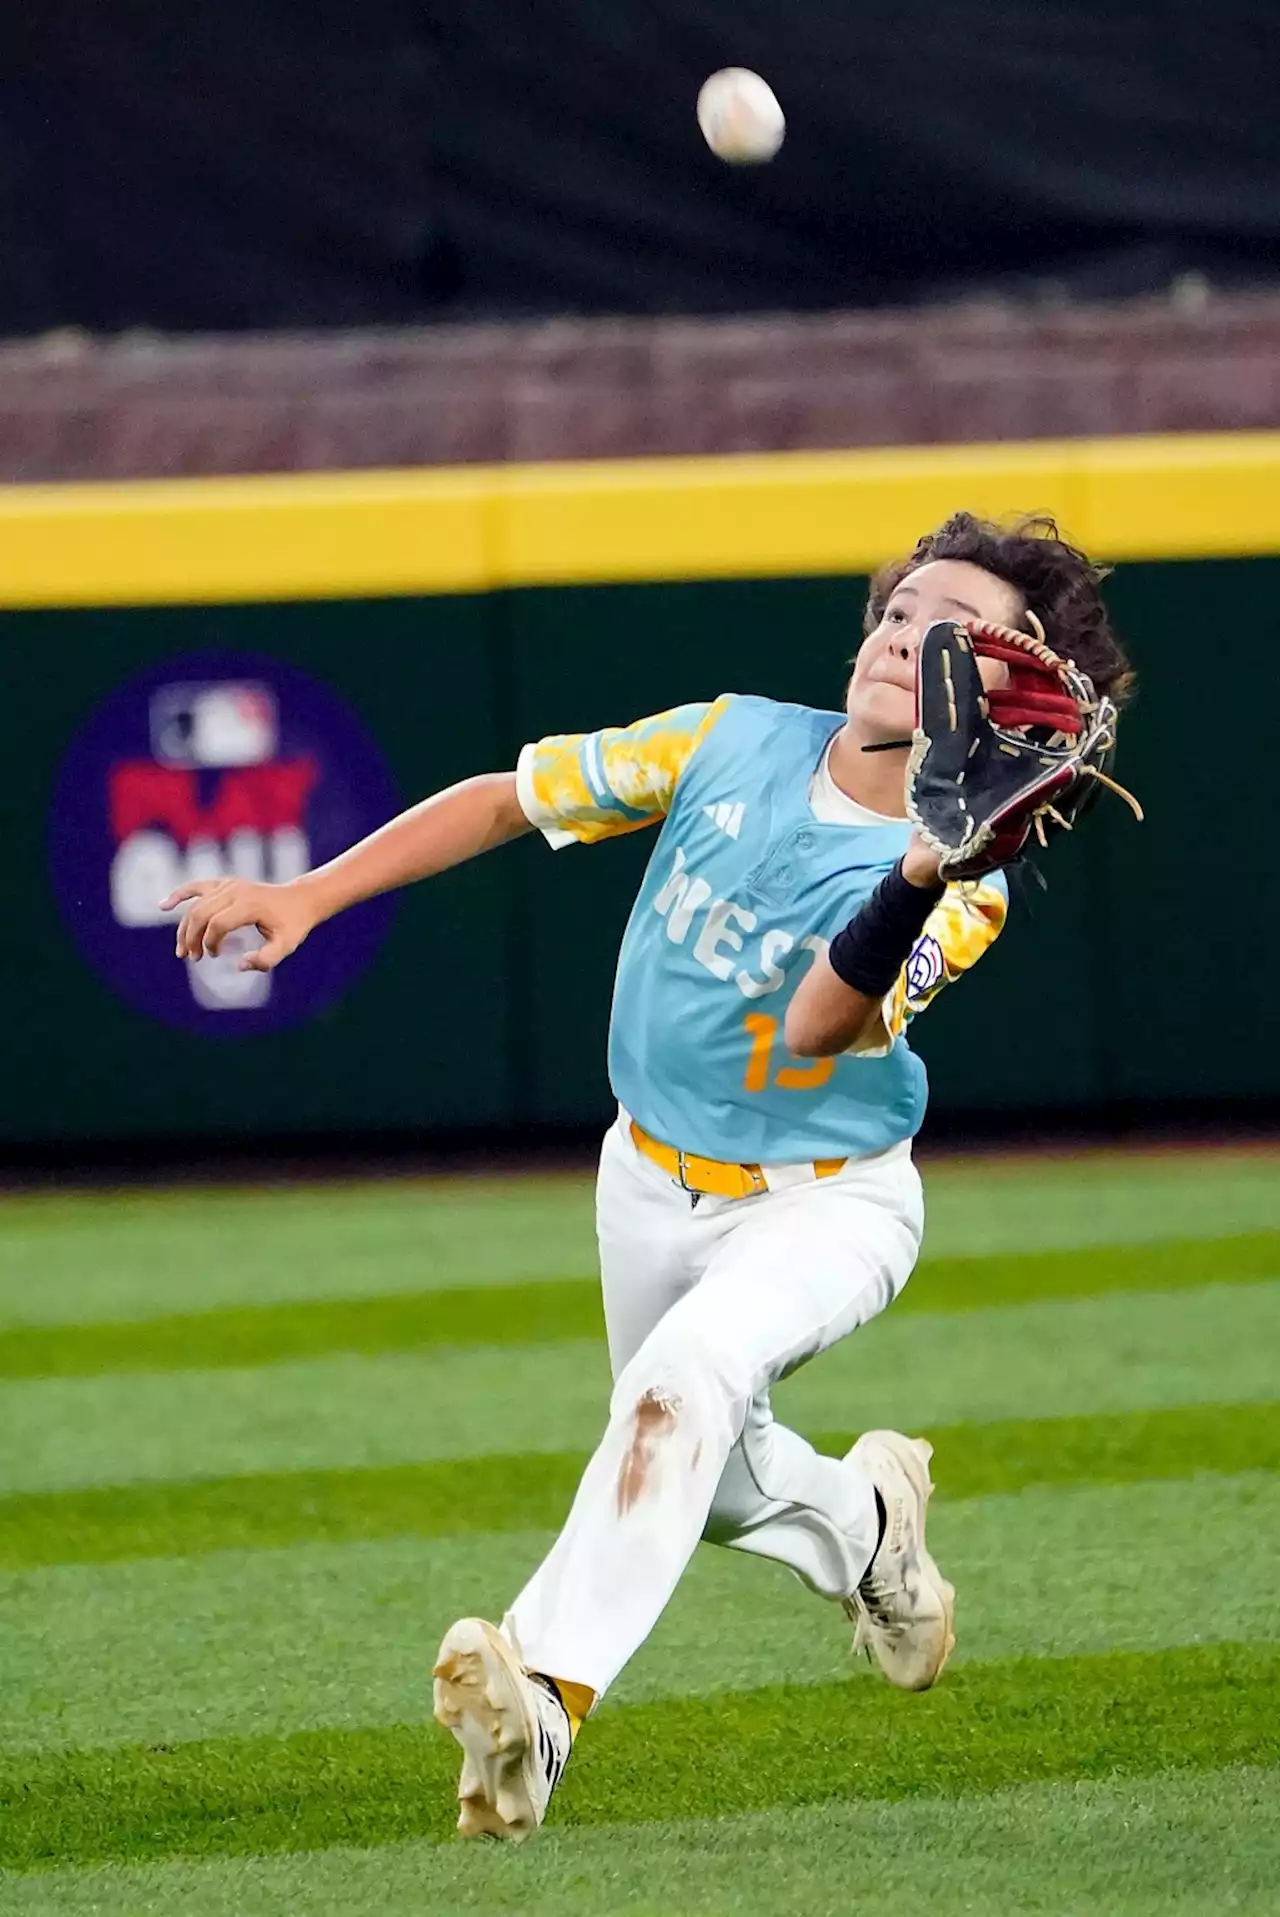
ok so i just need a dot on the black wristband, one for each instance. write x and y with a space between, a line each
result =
877 941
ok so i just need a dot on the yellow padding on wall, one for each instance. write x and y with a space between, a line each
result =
476 529
204 541
767 515
1192 497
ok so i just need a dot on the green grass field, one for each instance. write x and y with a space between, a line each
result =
257 1449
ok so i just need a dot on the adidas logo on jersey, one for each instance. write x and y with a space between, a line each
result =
727 816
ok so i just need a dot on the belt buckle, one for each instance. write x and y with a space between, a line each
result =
759 1182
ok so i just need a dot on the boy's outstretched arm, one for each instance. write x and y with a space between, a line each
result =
447 829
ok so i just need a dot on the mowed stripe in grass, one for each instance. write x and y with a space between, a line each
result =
69 1257
523 1491
1194 1842
1070 1357
75 1257
987 1728
550 1311
323 1636
543 1313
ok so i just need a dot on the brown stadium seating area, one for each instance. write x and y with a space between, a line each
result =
75 407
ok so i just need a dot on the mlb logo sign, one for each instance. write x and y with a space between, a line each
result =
214 725
209 768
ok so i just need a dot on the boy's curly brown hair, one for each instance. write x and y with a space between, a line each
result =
1055 580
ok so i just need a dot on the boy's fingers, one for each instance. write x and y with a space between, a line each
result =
220 924
194 929
220 907
267 956
189 942
194 889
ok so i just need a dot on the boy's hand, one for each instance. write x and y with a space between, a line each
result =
284 914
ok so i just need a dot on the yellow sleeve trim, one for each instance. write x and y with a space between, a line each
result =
578 787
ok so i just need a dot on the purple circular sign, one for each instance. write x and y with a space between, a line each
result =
214 765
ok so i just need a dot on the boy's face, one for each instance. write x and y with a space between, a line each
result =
881 701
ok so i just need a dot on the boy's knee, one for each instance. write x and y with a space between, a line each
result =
674 1402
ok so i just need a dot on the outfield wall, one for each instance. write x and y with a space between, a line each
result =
456 614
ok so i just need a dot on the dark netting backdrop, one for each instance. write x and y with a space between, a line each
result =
265 163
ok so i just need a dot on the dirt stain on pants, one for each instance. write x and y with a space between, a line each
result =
655 1420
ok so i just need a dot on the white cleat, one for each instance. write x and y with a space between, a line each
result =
904 1609
514 1732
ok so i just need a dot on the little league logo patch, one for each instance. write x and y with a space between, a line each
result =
924 967
215 765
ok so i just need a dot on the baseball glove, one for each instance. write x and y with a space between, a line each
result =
989 768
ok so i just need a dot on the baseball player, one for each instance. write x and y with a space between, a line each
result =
757 1199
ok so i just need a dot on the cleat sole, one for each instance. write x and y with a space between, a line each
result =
479 1686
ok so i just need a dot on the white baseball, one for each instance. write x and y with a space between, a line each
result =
740 117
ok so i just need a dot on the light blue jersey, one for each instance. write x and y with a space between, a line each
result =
744 886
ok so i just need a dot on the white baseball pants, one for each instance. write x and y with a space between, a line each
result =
707 1305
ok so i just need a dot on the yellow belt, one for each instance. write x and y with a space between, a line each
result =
709 1175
